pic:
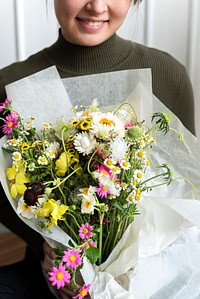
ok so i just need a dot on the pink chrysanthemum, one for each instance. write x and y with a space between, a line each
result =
83 291
4 104
72 258
103 170
103 191
11 122
85 231
59 276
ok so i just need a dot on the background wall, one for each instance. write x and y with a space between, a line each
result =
26 26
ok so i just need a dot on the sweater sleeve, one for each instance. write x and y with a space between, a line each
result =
184 108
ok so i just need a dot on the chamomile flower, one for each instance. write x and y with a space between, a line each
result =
138 175
42 160
125 164
16 156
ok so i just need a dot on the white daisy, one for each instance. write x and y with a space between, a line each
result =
42 160
125 164
85 143
16 156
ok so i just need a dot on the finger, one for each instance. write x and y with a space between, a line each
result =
66 294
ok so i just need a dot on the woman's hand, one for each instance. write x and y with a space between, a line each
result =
49 257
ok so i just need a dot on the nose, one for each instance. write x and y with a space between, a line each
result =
97 6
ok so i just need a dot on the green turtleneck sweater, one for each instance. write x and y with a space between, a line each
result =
170 84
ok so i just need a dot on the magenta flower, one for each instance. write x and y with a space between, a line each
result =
59 276
85 231
72 258
84 291
11 122
103 191
4 104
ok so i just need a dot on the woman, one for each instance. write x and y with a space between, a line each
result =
88 44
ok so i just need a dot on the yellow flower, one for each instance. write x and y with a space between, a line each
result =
62 164
64 161
53 210
18 178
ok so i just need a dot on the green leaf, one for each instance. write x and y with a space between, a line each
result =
118 205
92 254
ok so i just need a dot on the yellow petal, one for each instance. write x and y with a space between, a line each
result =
13 191
21 188
11 173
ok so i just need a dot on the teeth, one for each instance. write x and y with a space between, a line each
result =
93 24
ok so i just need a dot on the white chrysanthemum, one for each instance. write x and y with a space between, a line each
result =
85 143
16 156
88 203
107 125
118 149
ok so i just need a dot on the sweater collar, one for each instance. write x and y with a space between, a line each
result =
77 60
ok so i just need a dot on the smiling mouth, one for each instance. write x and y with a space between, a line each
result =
92 23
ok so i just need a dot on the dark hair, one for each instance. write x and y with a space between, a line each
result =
137 1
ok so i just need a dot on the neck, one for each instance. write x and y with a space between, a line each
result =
84 60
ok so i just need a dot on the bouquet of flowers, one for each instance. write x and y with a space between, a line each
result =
86 174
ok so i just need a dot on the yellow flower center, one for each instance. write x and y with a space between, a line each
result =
14 142
85 231
110 162
104 188
125 163
43 159
25 207
87 204
10 124
137 197
59 276
107 122
85 191
139 175
140 154
72 258
83 293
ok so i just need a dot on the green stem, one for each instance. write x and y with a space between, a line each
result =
101 216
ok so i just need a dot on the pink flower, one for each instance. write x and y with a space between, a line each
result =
104 171
85 231
59 276
83 291
11 122
72 258
4 104
103 191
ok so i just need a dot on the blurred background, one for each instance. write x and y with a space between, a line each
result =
26 26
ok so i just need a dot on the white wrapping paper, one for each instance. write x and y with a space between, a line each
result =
162 246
